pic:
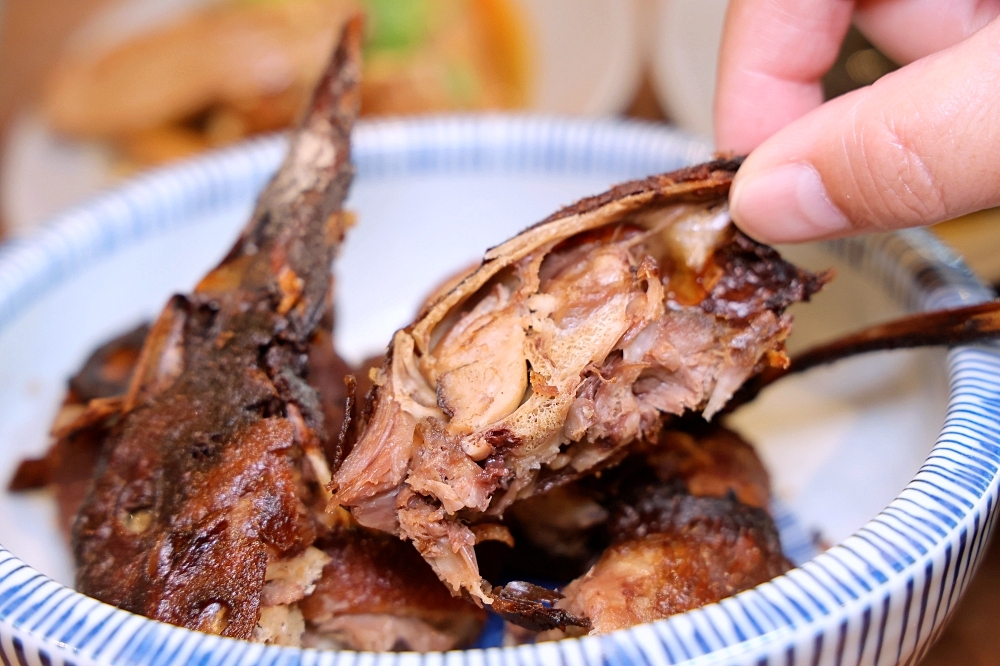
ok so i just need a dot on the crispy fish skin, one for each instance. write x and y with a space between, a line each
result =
199 486
568 343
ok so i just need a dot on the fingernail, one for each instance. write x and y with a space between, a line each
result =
785 205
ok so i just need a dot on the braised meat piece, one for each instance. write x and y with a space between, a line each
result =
711 461
68 466
565 529
571 342
207 480
376 593
672 552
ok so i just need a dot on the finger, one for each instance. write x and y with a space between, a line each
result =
774 53
917 147
906 30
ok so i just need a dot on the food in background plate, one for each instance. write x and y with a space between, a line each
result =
241 67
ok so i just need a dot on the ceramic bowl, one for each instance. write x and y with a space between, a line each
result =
893 457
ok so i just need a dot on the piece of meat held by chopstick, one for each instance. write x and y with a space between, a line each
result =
202 497
571 341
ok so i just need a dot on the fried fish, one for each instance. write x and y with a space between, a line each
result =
570 342
205 492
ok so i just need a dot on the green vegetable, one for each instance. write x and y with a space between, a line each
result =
397 25
462 82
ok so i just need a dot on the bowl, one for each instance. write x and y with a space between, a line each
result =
893 456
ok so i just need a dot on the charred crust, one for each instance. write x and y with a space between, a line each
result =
530 606
501 438
198 486
349 428
108 371
755 278
716 177
204 448
667 508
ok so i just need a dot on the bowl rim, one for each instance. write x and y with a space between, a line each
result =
853 593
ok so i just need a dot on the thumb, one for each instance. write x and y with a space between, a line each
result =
917 147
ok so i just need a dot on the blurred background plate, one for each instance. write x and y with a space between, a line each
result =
685 56
584 57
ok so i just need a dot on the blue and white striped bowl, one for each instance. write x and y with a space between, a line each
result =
431 195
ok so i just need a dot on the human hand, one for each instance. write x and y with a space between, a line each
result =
917 147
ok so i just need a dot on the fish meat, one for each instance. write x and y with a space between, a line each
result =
207 487
374 593
568 524
688 525
570 342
